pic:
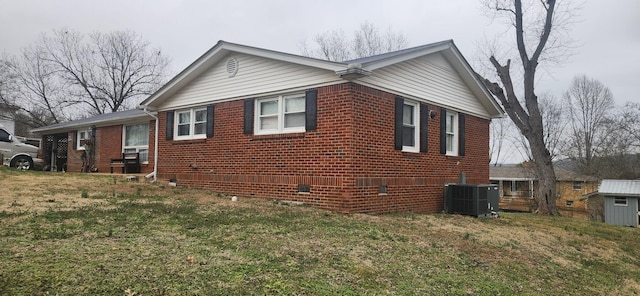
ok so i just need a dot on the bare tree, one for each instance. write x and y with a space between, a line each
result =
332 46
498 133
368 40
554 125
630 116
590 104
532 35
107 72
38 91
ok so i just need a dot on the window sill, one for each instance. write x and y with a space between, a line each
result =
189 141
278 136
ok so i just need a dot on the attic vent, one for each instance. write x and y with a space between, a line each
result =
232 67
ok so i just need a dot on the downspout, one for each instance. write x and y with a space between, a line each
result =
155 150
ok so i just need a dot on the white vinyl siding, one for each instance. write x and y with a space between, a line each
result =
430 78
255 76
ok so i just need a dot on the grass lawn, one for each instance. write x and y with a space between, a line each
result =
71 234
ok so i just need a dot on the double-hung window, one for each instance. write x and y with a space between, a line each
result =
452 133
410 127
83 136
281 114
191 124
136 139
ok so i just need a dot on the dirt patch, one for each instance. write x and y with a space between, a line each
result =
41 192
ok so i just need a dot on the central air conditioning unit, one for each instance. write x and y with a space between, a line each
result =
471 200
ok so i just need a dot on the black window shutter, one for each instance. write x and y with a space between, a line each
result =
460 134
169 127
398 123
248 116
75 140
210 113
311 107
443 131
424 127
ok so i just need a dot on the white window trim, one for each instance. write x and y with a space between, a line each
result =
455 133
416 125
78 139
124 135
281 112
192 118
626 202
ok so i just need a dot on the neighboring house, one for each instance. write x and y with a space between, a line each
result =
517 185
64 146
618 201
374 135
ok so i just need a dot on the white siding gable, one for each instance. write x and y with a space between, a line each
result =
428 78
256 76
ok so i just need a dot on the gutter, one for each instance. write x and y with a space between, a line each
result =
353 71
155 150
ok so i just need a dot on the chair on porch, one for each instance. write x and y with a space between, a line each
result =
130 163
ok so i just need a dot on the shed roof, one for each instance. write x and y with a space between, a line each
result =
620 187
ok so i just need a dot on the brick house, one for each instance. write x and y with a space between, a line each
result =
131 131
374 135
517 184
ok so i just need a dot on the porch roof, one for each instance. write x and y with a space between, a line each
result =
519 173
119 117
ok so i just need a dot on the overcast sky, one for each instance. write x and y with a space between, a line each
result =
607 33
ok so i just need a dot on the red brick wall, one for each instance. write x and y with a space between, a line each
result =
108 146
345 160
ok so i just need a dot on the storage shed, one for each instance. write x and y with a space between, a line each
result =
621 198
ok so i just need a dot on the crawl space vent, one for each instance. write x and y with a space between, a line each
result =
232 67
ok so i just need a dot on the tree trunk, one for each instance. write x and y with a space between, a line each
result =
546 195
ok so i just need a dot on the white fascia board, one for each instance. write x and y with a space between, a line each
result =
472 80
404 57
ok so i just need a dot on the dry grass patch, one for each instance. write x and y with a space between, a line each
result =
152 239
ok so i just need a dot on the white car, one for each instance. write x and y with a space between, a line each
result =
17 154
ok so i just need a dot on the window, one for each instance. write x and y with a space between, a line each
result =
514 186
452 133
282 114
577 185
410 127
135 138
620 201
83 135
191 124
4 136
569 203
